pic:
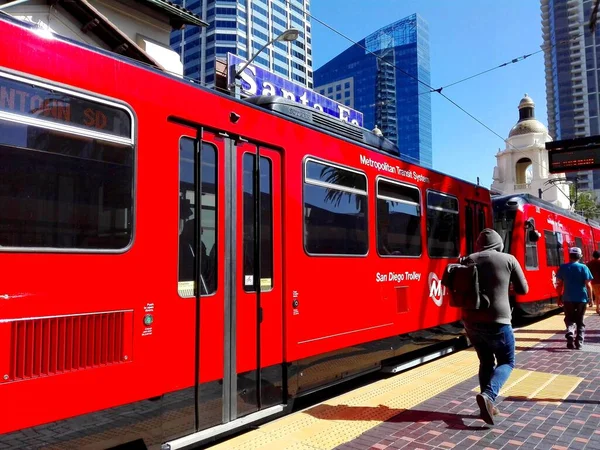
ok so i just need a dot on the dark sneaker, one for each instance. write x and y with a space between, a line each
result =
570 345
578 346
486 408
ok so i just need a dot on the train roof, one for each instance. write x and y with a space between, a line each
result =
312 116
522 199
369 140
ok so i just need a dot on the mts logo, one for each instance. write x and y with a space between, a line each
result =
436 290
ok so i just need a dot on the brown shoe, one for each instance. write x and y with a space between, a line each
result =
486 407
495 411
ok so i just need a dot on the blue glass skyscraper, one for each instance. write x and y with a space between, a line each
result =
371 82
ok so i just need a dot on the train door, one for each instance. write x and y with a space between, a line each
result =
256 348
475 221
201 280
237 303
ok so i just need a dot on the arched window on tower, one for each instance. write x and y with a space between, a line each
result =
524 173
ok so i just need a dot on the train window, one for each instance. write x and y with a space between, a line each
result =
531 252
66 171
335 210
188 249
503 223
554 248
579 243
443 239
560 247
398 219
551 254
480 219
474 223
266 223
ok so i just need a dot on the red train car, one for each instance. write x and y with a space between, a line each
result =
177 263
539 234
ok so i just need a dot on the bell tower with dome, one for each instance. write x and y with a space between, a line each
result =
522 167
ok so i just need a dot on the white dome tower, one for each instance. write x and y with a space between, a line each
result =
522 167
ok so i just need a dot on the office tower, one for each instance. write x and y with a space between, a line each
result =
367 78
242 27
571 61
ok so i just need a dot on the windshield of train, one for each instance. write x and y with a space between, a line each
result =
504 222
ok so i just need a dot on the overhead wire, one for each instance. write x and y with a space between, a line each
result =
415 160
507 63
431 88
224 90
384 61
513 61
308 14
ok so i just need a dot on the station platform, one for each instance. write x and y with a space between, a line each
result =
551 401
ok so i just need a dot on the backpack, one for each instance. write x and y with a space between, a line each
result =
462 281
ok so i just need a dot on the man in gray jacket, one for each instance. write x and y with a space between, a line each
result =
489 329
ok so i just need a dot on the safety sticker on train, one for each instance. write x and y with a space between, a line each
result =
397 276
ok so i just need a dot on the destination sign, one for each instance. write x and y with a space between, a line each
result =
257 81
574 160
34 101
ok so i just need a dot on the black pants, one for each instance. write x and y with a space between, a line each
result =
574 314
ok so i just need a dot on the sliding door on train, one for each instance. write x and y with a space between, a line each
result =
230 275
257 350
201 282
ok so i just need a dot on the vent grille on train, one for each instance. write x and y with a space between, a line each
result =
51 346
324 122
338 127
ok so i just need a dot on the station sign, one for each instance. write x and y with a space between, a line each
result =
42 103
574 160
574 155
258 81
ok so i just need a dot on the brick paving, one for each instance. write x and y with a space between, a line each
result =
451 420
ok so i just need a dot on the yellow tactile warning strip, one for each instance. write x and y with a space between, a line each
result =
540 386
346 417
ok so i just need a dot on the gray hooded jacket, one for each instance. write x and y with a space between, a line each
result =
496 271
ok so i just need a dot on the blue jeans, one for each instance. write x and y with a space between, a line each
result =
491 341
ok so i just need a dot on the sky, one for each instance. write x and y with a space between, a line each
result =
466 37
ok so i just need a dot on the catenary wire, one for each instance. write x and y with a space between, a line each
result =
419 81
507 63
415 160
439 91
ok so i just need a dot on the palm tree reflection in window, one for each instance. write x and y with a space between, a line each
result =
398 219
339 177
332 225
